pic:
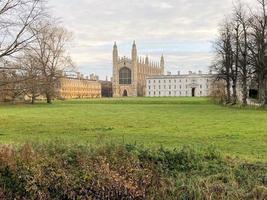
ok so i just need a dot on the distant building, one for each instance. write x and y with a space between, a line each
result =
78 88
106 89
129 74
94 77
187 85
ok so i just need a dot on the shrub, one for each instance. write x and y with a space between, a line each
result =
218 92
56 171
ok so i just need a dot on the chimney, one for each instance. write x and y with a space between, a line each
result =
190 72
200 72
179 73
169 73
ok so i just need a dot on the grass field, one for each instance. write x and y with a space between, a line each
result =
168 122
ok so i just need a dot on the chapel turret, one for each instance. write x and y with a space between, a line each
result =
162 64
129 74
134 52
115 52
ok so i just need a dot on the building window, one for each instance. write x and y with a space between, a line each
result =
125 76
159 94
159 81
159 87
149 87
170 81
170 93
149 81
154 81
200 86
170 87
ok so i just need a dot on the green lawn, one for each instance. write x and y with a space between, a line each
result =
170 122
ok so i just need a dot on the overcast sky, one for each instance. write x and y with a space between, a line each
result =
180 29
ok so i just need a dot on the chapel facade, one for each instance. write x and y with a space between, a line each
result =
129 74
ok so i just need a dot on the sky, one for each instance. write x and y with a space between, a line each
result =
183 30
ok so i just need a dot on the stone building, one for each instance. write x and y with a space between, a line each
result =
106 88
129 74
78 88
187 85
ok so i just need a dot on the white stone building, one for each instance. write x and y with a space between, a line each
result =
187 85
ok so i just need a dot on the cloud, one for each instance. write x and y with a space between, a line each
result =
181 29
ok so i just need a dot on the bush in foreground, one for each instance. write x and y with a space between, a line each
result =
126 172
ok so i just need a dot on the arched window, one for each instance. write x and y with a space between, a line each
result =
125 76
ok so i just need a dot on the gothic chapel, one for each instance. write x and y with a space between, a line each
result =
129 74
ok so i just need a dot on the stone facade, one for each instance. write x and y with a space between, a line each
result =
78 88
188 85
129 74
106 88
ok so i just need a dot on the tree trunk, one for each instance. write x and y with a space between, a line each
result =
234 92
244 92
228 97
33 99
265 89
13 101
48 98
262 90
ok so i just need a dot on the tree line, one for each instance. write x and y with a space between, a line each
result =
241 49
33 52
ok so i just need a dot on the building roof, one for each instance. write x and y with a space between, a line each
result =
193 75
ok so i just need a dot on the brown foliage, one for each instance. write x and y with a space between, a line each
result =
218 92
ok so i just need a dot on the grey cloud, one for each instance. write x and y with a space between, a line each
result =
182 29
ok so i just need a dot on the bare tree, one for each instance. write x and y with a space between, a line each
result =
16 16
236 54
225 57
242 51
15 88
50 52
33 77
28 35
258 48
